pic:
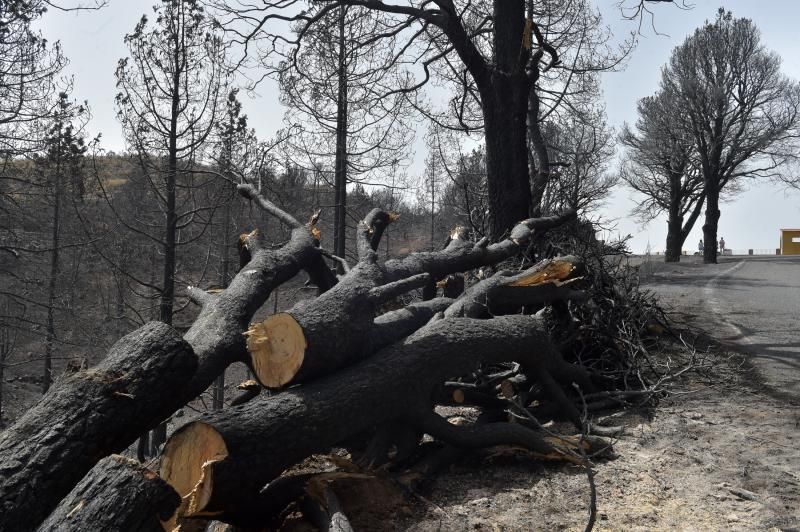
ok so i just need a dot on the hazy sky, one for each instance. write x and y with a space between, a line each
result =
93 43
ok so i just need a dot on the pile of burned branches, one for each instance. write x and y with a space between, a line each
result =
344 372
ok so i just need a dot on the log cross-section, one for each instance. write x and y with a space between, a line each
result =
316 337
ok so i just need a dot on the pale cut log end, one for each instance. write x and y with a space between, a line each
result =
555 271
186 465
277 348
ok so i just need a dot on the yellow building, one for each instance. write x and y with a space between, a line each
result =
790 241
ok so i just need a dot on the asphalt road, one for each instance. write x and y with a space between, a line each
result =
750 303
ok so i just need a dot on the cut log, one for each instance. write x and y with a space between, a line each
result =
217 335
87 416
119 494
219 462
331 331
321 335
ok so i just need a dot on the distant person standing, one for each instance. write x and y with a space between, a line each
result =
700 246
722 245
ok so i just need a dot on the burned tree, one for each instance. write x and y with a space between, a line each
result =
336 80
169 93
61 167
660 163
742 113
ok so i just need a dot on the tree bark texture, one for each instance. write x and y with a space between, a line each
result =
217 335
119 494
674 247
711 224
86 416
223 459
321 335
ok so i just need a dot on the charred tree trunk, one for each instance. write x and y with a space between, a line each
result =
505 112
49 345
225 245
217 335
321 335
711 223
219 463
159 434
86 416
118 494
340 182
675 238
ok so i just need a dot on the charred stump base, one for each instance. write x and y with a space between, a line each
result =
220 463
118 494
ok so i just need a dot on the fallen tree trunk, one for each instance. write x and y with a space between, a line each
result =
119 494
44 454
87 416
219 463
320 335
217 335
506 292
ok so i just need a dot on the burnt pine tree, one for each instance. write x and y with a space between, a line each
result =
660 164
337 81
742 113
490 42
493 51
169 94
234 142
61 166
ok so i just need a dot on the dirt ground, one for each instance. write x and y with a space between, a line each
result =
712 456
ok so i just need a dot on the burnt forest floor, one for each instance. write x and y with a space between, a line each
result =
721 451
718 453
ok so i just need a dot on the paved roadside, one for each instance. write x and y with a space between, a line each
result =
749 303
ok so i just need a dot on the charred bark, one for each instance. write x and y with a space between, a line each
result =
119 494
711 224
86 416
219 462
318 336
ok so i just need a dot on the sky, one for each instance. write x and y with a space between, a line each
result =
93 41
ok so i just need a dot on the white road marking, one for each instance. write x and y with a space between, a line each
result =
715 306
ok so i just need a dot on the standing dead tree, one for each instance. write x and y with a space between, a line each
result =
660 164
742 112
335 81
170 90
